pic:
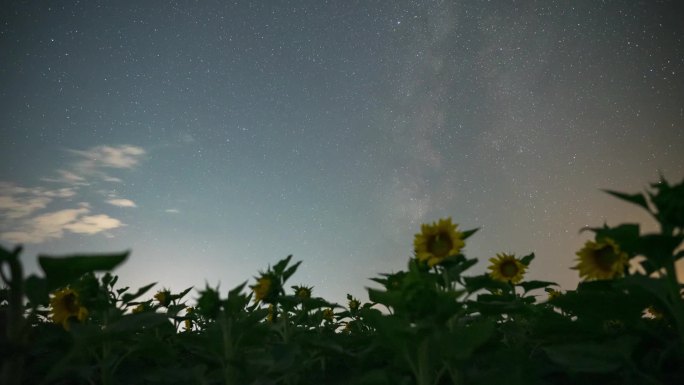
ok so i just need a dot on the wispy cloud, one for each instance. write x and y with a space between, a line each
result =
92 165
125 156
120 202
38 214
54 224
93 162
19 202
172 211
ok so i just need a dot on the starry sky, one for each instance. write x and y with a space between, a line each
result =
213 138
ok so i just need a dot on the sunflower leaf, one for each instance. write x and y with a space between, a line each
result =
532 285
658 248
128 297
625 235
526 260
589 357
637 199
466 234
291 270
36 290
282 264
60 271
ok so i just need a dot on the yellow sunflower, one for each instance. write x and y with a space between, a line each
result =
64 306
438 241
163 297
506 267
262 288
302 292
553 294
601 260
354 304
328 314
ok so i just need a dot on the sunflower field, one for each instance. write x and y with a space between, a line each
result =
431 323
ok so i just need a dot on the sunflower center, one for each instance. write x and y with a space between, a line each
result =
605 258
440 245
509 269
70 303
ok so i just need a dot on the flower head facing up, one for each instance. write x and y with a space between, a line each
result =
506 267
302 292
601 260
65 306
354 304
328 314
438 241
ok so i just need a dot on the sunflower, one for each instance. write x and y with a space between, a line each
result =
354 304
302 292
438 241
506 267
263 289
65 306
601 260
328 314
163 297
553 294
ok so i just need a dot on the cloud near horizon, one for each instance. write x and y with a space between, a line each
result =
53 225
26 215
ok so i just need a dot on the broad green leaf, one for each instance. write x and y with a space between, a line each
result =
315 303
637 199
237 289
601 300
526 260
290 271
589 357
387 298
483 281
656 286
462 342
468 233
60 271
183 293
455 270
36 290
128 297
625 235
658 248
532 285
137 321
282 264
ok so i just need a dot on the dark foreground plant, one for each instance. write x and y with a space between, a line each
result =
427 324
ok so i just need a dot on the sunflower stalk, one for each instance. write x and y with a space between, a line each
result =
15 328
675 298
226 334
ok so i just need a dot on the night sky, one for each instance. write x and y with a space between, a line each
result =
213 138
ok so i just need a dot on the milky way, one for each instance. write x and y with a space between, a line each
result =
213 139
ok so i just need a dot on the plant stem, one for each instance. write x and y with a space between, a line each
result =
15 330
226 334
675 299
